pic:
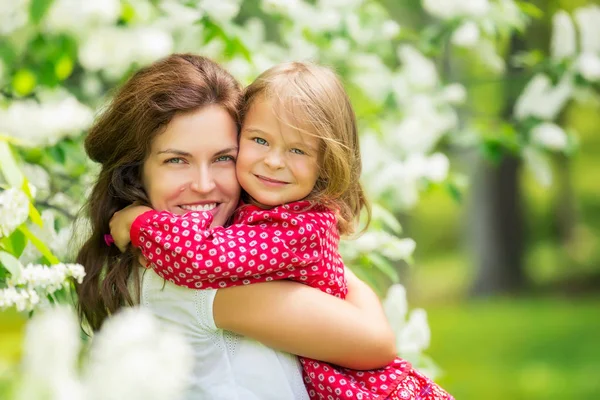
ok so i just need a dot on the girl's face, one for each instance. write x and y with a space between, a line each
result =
277 164
191 165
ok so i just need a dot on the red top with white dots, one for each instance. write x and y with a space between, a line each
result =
297 241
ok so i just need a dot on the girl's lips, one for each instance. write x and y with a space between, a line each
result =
270 181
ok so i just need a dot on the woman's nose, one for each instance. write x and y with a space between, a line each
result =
203 182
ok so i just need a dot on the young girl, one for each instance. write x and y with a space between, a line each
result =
299 164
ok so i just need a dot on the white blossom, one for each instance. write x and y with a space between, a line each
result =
415 335
467 35
285 7
390 29
371 75
564 42
221 10
47 279
539 165
131 347
75 16
449 9
13 15
14 210
395 307
588 65
454 94
550 136
419 70
22 299
58 116
126 46
51 351
543 100
588 20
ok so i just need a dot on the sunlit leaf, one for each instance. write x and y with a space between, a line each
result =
52 259
12 264
8 166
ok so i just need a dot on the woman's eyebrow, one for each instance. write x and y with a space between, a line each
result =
228 150
174 151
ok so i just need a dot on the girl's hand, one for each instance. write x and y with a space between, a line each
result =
121 221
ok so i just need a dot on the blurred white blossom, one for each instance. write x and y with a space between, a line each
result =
564 42
13 15
390 29
14 210
588 65
539 165
371 75
588 20
412 336
541 99
419 70
467 35
57 116
221 10
58 241
550 136
51 351
75 16
449 9
454 94
134 357
126 46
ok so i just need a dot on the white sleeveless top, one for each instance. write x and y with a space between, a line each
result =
226 366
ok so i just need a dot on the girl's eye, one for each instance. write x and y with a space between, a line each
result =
297 151
260 141
225 158
175 160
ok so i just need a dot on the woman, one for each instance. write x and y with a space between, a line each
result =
169 140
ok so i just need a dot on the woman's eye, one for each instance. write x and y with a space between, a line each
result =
260 141
297 151
225 158
175 160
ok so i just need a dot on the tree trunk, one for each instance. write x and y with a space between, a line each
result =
498 228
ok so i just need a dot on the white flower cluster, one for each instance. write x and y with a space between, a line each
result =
564 40
45 123
57 241
14 210
384 243
481 21
35 282
132 357
413 335
131 347
13 15
401 158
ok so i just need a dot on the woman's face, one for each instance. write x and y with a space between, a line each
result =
191 165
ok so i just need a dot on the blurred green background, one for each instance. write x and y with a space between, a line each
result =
533 335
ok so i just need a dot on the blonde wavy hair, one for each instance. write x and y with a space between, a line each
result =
312 99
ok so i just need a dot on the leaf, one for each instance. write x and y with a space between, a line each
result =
11 264
52 259
385 216
8 166
530 9
16 243
35 216
384 266
38 9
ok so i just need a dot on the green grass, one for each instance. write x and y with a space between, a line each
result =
518 348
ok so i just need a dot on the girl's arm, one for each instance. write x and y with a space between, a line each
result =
302 320
183 250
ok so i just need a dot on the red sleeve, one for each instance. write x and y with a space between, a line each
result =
182 250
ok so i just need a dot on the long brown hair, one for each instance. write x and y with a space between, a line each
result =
120 141
315 98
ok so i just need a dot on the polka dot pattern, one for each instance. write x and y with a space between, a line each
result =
296 241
